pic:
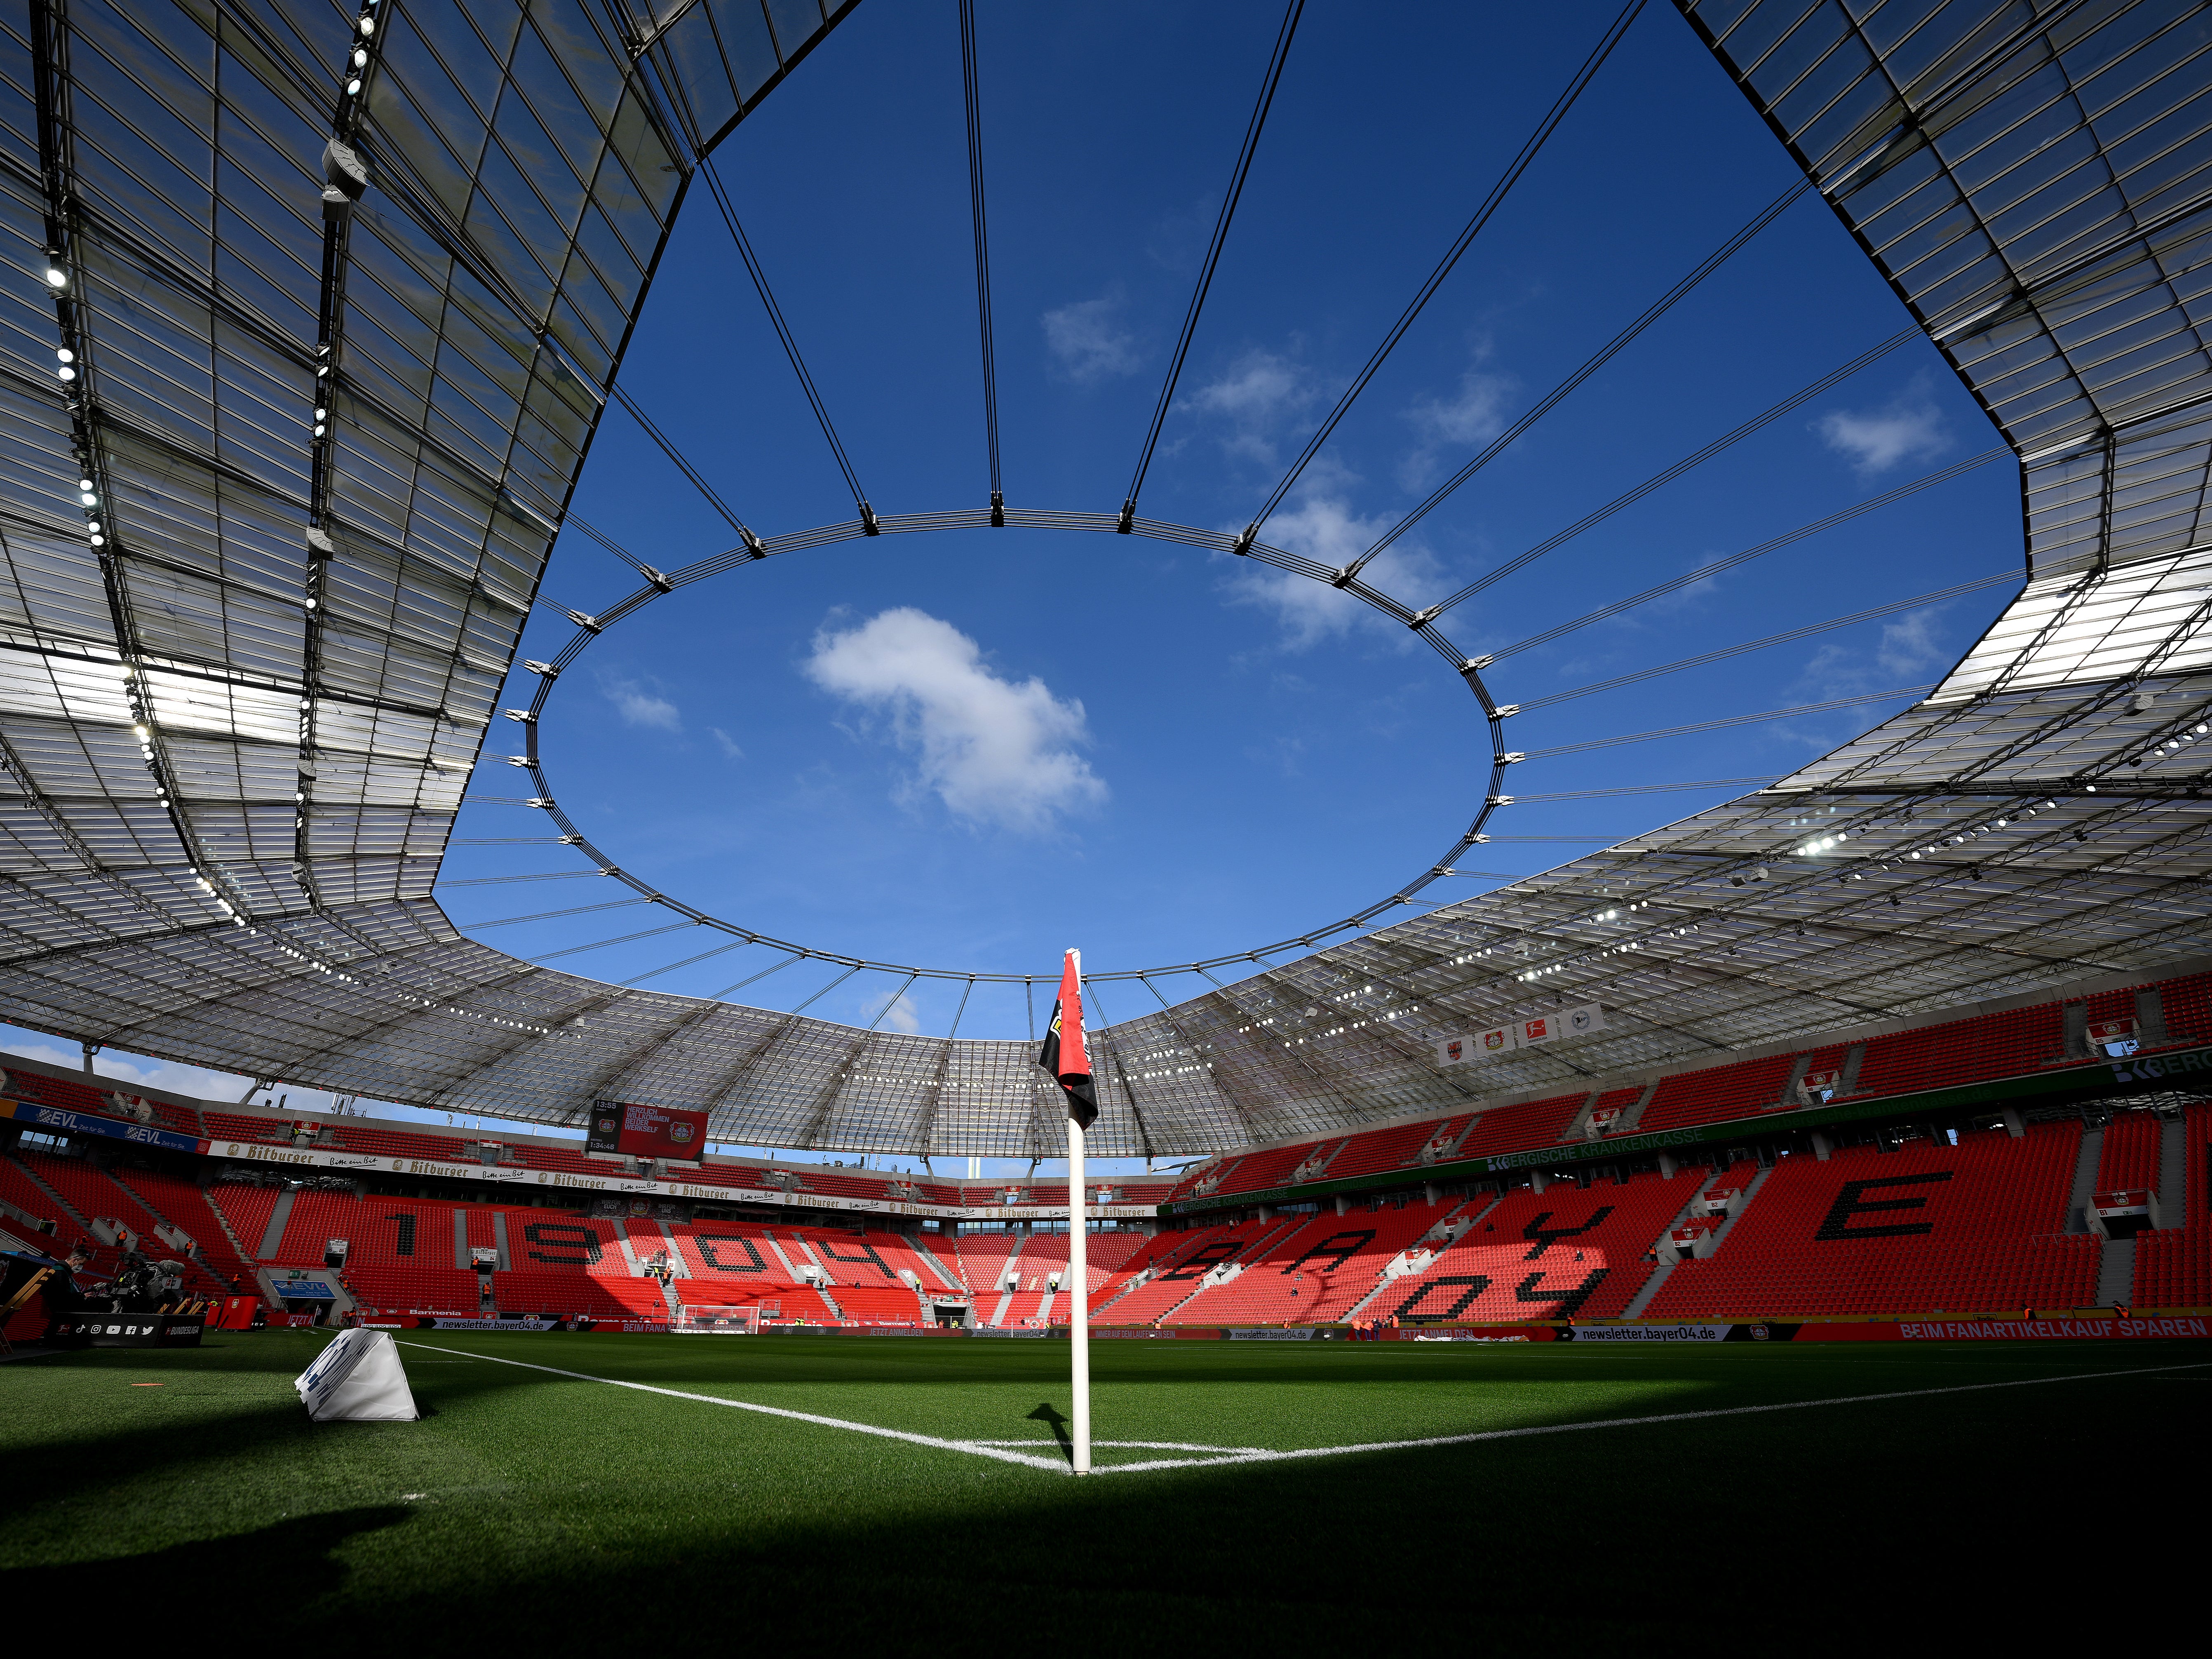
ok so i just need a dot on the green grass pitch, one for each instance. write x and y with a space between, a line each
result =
536 1510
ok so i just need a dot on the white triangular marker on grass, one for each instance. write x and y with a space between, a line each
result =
357 1379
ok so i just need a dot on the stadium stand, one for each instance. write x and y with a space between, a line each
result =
2009 1043
95 1196
1563 1252
2173 1264
185 1205
1973 1227
2128 1159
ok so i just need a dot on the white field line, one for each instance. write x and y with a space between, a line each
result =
1616 1422
973 1448
1221 1457
1142 1445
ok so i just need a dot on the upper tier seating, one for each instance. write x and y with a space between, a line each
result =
70 1095
1972 1228
2009 1043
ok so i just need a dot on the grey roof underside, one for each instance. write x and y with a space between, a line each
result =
251 888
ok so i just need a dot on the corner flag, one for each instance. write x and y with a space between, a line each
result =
1063 1053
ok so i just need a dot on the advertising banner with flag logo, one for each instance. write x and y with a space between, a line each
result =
1452 1050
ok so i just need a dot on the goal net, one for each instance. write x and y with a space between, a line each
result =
720 1321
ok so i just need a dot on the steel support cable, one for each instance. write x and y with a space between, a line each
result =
1604 355
667 447
783 333
720 950
541 875
547 915
1658 480
1857 510
1732 720
1938 597
1635 789
1236 178
975 211
576 521
1491 204
800 955
624 939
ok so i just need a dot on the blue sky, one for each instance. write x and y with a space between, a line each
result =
969 750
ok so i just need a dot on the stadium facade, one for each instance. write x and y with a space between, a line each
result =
315 310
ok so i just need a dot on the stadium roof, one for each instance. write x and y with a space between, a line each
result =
311 315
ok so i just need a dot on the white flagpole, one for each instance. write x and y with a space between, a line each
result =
1079 1317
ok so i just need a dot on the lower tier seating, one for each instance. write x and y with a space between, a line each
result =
1974 1227
1564 1252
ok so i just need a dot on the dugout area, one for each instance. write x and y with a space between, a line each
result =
586 1513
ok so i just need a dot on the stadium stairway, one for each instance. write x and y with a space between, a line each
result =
2173 1264
53 1202
946 1277
2087 1168
2116 1271
1668 1261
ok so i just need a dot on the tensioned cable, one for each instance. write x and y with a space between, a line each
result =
667 447
1604 355
982 242
1214 252
541 875
1638 789
601 944
655 973
1733 720
547 916
1936 598
1758 423
578 521
1857 510
1491 204
782 331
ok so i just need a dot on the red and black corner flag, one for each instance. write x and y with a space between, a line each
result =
1063 1053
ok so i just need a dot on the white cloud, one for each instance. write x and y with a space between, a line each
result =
1087 338
193 1080
639 707
1476 416
1257 395
994 751
898 1011
1323 528
1911 645
1910 427
730 749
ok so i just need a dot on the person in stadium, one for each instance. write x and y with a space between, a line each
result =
62 1295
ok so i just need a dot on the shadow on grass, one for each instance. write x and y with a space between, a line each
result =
294 1554
1047 1414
